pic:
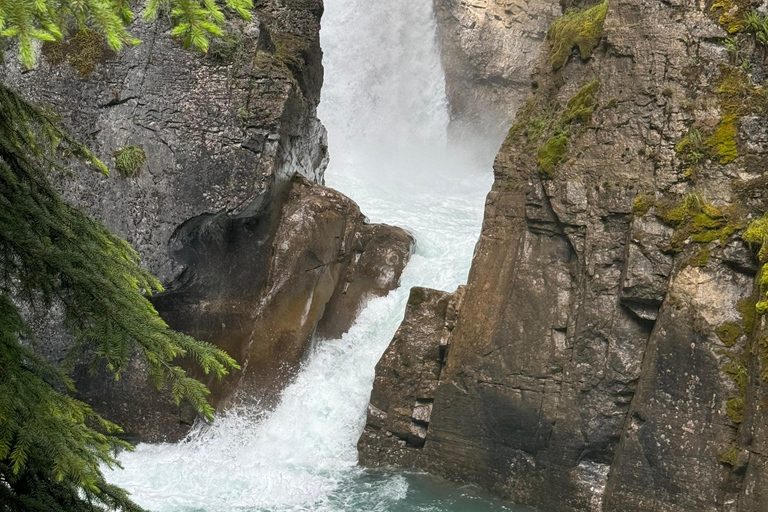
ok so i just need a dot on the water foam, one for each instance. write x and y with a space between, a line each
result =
385 109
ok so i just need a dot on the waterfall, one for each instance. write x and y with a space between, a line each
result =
385 109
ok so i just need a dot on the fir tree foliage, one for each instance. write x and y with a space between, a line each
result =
52 254
195 21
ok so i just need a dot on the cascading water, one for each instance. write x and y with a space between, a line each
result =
385 109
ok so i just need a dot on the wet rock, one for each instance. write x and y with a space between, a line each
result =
217 130
223 134
407 376
258 286
326 262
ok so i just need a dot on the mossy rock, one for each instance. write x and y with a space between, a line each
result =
290 49
532 120
642 204
582 105
722 143
691 148
729 333
701 258
735 409
697 220
731 13
738 374
129 160
579 110
747 308
729 456
576 28
551 154
82 51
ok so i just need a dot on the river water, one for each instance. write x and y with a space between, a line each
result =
385 109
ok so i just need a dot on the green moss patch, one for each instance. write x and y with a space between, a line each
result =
129 160
691 150
580 28
735 409
757 233
729 456
290 50
643 203
731 13
582 105
579 110
748 310
738 374
697 220
82 51
700 258
552 153
738 96
729 333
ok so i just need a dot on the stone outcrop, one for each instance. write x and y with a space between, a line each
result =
263 287
489 50
406 379
607 355
300 270
253 261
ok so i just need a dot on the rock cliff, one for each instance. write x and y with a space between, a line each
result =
202 150
607 355
488 50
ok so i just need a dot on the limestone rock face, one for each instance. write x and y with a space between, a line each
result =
218 130
222 135
607 355
489 51
262 286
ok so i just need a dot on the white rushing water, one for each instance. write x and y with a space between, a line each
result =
385 108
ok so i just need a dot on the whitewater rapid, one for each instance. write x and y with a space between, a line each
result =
385 109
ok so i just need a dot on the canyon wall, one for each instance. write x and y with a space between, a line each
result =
488 50
607 355
203 150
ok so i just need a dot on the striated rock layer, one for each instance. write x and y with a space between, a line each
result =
607 355
253 261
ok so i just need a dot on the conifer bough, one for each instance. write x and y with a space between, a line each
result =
52 446
195 21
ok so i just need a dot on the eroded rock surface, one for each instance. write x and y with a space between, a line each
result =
298 271
218 130
607 354
222 134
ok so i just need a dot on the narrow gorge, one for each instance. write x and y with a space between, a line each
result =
470 255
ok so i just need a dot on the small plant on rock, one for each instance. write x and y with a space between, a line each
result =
129 160
757 23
